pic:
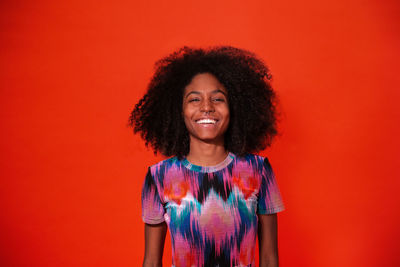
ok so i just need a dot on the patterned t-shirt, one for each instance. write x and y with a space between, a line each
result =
211 212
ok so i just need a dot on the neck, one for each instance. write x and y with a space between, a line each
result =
206 154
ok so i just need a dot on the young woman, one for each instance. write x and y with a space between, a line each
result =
209 110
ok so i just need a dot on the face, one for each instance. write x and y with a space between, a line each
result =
206 109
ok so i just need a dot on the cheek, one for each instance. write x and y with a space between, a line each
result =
186 112
227 114
186 117
187 122
227 122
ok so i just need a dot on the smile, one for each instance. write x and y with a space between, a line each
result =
206 121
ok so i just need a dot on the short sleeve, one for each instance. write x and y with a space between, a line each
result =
269 197
152 207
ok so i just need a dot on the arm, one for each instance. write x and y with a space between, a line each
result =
154 244
268 240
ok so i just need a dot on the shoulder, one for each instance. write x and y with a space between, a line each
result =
158 169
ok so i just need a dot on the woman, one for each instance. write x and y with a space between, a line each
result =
209 109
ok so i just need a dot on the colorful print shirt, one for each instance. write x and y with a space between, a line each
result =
211 212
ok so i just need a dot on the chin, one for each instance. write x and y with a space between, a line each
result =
210 139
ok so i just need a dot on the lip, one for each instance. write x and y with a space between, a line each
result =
206 125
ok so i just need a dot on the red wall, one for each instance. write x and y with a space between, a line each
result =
71 171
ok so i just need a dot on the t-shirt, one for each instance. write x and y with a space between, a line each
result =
211 212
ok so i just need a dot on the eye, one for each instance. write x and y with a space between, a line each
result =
219 100
193 100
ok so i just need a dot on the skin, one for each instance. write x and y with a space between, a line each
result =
205 97
154 244
268 240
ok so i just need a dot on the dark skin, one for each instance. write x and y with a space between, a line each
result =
154 244
206 97
268 240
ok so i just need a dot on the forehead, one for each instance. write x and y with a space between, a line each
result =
204 82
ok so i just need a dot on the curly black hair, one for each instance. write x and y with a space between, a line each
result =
252 101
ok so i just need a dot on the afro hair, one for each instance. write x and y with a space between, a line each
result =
252 101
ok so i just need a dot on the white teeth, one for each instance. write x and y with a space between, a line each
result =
206 121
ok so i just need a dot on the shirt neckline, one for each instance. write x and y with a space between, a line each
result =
197 168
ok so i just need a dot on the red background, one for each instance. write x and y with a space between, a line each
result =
71 171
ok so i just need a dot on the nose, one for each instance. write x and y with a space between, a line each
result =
207 106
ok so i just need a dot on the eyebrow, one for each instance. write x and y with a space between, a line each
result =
213 92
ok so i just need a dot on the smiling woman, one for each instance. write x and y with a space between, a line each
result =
210 109
205 112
